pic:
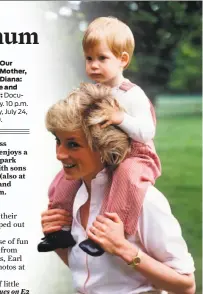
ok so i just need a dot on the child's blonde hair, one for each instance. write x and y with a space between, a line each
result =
117 34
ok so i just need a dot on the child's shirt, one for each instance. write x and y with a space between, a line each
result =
138 122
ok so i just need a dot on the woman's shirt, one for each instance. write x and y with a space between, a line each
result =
159 235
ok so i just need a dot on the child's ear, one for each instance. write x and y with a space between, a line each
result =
124 59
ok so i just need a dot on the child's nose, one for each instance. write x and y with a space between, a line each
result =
94 64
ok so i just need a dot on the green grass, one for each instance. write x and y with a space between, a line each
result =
178 143
177 105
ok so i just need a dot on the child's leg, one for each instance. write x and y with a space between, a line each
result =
130 182
129 186
62 192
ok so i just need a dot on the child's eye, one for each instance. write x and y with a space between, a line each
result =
88 58
102 57
72 144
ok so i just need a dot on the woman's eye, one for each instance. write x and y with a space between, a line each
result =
72 145
57 141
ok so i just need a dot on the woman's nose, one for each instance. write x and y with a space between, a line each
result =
61 153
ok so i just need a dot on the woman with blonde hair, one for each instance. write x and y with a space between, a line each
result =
156 258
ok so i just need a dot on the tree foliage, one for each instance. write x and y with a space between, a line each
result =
167 34
168 41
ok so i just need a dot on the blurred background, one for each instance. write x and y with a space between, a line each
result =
167 64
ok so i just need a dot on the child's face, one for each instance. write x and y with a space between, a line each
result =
102 66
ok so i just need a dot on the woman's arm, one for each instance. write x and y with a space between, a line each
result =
161 276
63 254
109 233
52 220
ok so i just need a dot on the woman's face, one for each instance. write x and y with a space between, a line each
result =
78 160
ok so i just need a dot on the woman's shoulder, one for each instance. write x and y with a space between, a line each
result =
156 218
155 198
160 233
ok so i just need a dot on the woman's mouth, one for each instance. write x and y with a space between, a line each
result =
69 165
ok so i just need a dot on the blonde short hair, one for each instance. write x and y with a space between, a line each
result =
85 108
117 34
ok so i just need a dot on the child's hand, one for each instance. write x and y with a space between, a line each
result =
115 118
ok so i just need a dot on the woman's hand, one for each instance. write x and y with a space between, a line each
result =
108 232
53 220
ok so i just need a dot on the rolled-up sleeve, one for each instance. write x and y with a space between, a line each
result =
161 235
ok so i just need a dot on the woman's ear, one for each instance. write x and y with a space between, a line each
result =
124 59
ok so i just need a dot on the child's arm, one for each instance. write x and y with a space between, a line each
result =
140 128
138 121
